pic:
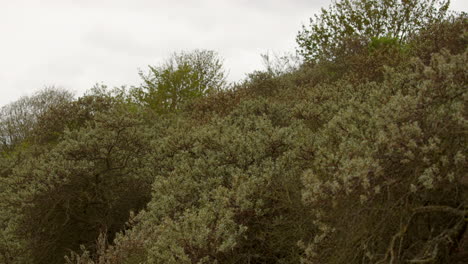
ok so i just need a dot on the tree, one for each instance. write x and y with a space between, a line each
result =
182 77
350 23
18 118
86 184
72 115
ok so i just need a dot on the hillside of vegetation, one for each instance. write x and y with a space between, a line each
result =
357 155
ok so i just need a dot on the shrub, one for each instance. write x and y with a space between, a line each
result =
386 185
85 184
355 22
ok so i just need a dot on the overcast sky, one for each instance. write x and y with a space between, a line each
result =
74 44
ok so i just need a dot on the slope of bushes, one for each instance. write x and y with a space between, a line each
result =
325 164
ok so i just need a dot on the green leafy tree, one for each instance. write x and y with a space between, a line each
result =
184 76
87 183
348 25
17 120
72 115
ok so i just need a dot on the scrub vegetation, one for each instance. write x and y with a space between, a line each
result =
353 151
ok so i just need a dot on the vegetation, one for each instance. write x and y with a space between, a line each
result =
181 77
17 118
350 158
348 24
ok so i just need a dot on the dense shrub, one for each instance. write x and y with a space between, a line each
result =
450 34
17 119
86 184
356 159
373 171
348 25
386 185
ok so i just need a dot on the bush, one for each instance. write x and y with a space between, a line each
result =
18 118
352 23
449 34
387 183
86 184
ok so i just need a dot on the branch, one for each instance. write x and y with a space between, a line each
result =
447 237
445 209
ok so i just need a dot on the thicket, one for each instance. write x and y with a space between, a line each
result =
322 163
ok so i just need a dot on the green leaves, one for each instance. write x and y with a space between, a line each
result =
18 119
328 35
388 149
184 76
291 166
86 184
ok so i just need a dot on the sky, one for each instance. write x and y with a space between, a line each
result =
74 44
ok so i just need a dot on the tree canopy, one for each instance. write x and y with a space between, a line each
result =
184 76
355 22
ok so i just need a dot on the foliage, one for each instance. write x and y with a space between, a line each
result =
18 118
182 77
373 171
230 192
87 183
450 34
72 115
390 161
349 24
280 64
359 159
